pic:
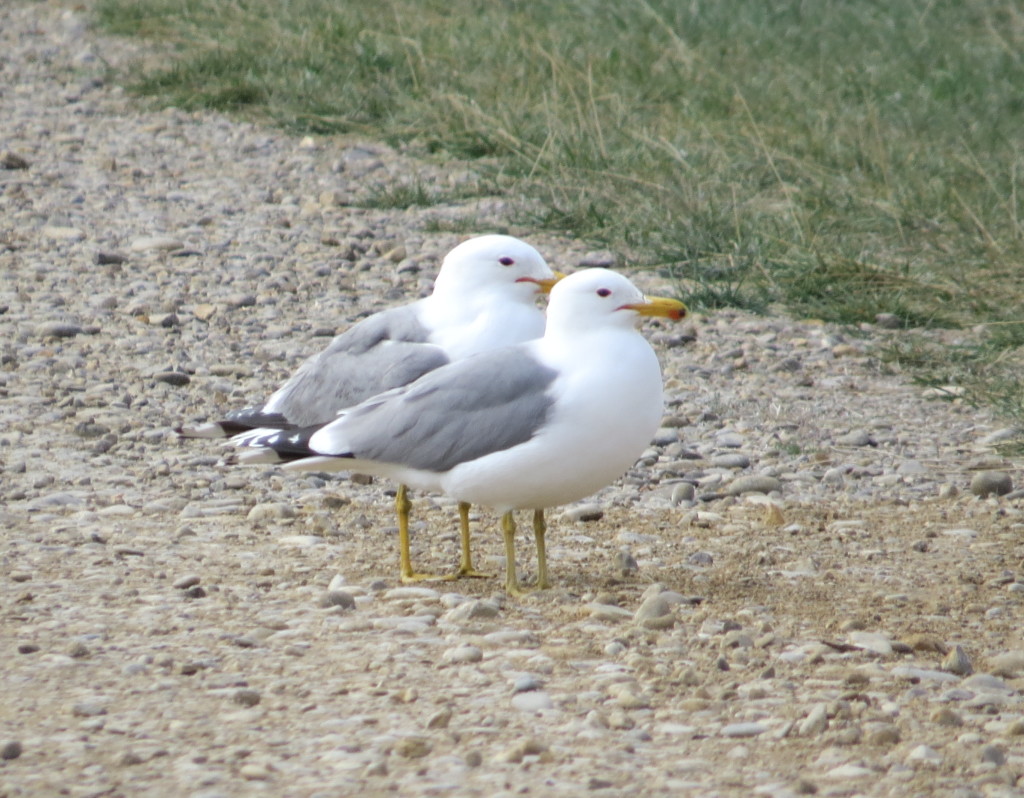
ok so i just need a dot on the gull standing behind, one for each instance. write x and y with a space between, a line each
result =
532 426
483 298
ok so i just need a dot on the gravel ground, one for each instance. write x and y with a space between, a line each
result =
808 584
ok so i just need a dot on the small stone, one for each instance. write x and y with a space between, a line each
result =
88 709
626 563
988 483
338 598
58 329
815 723
524 748
463 654
610 613
204 311
885 734
655 613
1009 664
683 492
176 378
922 641
194 592
525 684
1016 728
413 747
604 259
583 512
755 483
78 650
440 719
856 438
924 754
993 754
888 321
475 610
156 243
703 559
270 511
629 699
957 661
185 582
872 641
532 701
851 735
407 592
733 460
62 233
246 697
110 258
11 160
10 750
236 301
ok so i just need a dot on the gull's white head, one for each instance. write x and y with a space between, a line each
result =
494 263
595 298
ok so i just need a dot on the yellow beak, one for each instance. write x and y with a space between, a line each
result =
546 284
660 306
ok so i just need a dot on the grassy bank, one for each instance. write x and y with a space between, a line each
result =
841 158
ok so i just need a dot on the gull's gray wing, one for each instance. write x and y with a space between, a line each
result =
386 350
468 409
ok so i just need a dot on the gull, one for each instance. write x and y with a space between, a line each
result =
527 427
483 298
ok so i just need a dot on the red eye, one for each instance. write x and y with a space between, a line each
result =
506 261
603 292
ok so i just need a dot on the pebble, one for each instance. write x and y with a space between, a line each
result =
338 598
730 461
683 492
413 747
655 613
957 661
58 329
474 610
583 512
872 641
856 438
815 723
924 754
989 483
156 243
10 750
532 701
463 654
743 729
753 484
246 697
1009 664
269 512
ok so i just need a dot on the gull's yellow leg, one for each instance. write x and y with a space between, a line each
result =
466 567
539 529
402 507
508 530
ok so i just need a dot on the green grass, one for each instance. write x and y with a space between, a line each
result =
842 158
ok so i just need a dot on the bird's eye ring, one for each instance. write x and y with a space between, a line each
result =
603 292
506 261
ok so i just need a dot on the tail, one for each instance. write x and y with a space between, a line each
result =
275 446
235 423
